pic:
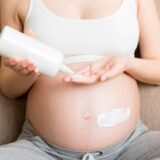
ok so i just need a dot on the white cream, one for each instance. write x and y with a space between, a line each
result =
114 117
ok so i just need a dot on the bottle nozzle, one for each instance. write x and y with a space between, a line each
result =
66 69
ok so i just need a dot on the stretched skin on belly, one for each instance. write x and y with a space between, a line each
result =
66 113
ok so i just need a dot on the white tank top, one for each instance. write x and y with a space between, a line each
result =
86 39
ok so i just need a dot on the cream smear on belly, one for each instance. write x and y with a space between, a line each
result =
113 117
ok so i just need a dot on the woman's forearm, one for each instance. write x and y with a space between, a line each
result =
14 85
144 70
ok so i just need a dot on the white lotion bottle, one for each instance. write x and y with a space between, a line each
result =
49 61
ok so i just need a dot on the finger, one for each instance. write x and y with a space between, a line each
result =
100 72
30 71
66 79
9 62
84 79
29 32
20 66
17 68
33 73
100 64
113 72
84 70
74 78
24 66
107 68
31 67
93 68
96 67
27 70
24 71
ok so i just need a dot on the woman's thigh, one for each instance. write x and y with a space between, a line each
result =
144 147
23 150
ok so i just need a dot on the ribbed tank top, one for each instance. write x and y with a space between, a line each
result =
86 39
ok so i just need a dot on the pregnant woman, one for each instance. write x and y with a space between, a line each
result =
94 113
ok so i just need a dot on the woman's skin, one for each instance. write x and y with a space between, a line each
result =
64 108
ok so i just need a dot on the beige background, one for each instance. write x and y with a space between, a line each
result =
12 111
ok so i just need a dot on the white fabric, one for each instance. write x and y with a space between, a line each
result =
86 39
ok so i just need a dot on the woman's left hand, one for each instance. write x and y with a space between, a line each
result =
104 69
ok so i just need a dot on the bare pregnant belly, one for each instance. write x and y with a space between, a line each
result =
73 116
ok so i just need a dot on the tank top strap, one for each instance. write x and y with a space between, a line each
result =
32 5
134 5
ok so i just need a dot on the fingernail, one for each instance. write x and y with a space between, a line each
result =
12 62
67 79
103 78
24 65
36 70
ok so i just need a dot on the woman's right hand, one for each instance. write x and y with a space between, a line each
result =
23 67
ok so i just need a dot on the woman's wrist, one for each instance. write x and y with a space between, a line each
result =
130 63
